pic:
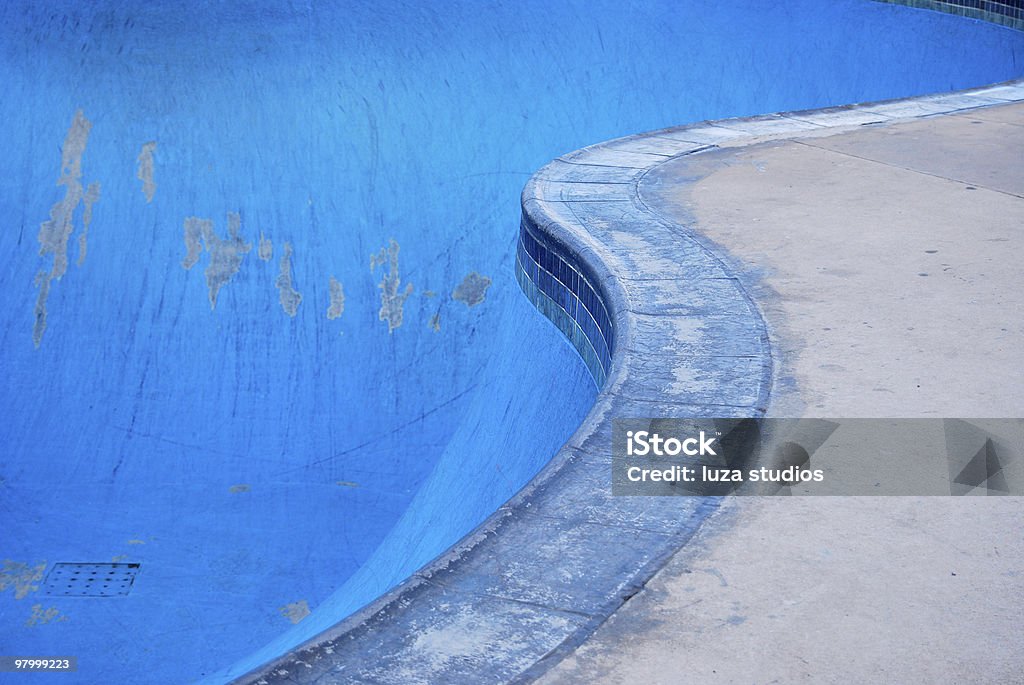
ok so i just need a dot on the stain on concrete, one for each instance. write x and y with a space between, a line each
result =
472 289
41 616
392 297
241 487
226 256
296 611
290 298
337 293
55 233
21 577
265 251
145 171
435 322
92 195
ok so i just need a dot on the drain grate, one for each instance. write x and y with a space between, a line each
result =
90 580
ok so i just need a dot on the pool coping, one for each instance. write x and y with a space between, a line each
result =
535 579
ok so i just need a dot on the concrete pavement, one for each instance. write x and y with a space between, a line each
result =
885 260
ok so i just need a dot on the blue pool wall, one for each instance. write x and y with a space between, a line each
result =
336 130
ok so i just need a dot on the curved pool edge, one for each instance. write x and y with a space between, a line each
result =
533 580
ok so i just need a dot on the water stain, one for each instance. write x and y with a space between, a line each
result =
55 233
21 577
265 251
296 611
392 297
290 299
472 289
337 293
145 171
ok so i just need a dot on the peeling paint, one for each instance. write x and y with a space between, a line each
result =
43 283
379 258
265 251
119 557
41 616
392 299
337 293
136 542
429 293
472 289
22 577
241 487
55 233
194 230
290 299
226 256
348 484
296 611
92 194
435 322
145 172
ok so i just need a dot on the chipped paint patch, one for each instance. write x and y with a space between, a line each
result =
290 298
337 293
348 484
435 322
194 230
226 256
41 616
145 171
136 542
472 289
265 251
42 282
118 557
55 233
429 293
22 577
296 611
392 298
241 487
92 195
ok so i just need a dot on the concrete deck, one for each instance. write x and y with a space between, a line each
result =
885 260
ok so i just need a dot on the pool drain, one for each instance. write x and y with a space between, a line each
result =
90 580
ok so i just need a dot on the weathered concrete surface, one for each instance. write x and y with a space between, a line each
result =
840 230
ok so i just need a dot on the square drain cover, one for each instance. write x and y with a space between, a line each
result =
90 580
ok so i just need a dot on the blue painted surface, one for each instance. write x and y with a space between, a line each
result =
250 460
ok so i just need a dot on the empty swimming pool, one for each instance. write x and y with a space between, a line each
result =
263 348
